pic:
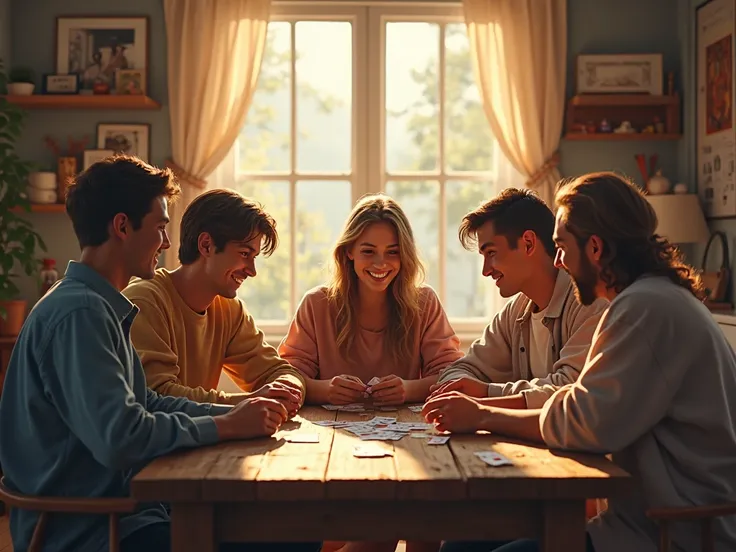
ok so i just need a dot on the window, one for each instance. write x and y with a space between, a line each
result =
352 100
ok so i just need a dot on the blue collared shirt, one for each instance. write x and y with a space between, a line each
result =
76 417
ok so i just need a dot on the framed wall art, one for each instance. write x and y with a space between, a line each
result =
715 128
619 74
95 48
127 138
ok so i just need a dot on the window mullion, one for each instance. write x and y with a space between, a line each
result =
293 299
442 231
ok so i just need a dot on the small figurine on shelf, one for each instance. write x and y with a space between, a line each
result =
658 125
654 181
604 127
66 163
590 127
624 128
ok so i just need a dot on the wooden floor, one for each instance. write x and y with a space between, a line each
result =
5 544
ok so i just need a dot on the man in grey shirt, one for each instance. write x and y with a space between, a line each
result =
657 390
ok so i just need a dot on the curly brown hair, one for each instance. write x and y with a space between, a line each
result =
611 207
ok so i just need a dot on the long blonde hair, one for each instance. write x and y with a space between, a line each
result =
403 292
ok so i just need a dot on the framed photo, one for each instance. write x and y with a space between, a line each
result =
716 128
131 139
93 156
60 84
619 74
130 82
95 48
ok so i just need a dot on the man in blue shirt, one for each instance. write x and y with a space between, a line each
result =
76 417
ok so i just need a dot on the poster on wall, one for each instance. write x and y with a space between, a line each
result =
716 132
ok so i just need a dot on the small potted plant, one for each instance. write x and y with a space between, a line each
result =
18 240
21 81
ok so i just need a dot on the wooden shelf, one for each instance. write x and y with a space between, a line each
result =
43 208
83 101
632 100
615 137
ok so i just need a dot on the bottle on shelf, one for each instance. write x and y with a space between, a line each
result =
49 275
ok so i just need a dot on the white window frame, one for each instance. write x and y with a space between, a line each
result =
368 164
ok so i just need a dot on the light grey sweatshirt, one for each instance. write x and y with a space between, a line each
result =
658 390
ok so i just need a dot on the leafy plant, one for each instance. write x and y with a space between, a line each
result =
18 240
21 74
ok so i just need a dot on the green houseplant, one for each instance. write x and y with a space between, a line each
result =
18 240
21 81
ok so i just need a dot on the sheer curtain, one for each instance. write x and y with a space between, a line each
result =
519 50
215 49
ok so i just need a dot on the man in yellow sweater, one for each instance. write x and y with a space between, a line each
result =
192 326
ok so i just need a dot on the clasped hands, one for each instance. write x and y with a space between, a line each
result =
452 406
385 391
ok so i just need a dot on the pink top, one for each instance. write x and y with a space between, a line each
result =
310 345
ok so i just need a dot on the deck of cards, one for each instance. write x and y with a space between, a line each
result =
380 428
493 458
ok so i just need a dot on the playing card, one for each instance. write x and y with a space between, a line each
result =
331 423
301 438
416 408
330 407
382 420
420 435
370 451
373 381
493 458
438 440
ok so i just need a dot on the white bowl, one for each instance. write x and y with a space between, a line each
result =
42 180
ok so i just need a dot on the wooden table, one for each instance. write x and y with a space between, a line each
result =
272 490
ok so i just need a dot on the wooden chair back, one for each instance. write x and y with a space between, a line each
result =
111 507
704 514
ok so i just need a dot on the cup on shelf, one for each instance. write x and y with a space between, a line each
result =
42 187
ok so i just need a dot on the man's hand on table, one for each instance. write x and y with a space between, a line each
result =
465 385
456 412
287 393
252 417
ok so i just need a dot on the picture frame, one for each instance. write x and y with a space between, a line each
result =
127 138
60 84
92 156
96 47
619 74
130 82
715 137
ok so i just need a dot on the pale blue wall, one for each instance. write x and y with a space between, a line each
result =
32 44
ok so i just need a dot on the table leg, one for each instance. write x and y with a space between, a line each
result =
564 526
192 527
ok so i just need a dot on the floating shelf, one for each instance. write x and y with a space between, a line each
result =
83 101
640 110
615 137
43 208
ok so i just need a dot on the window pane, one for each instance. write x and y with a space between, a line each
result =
468 138
412 97
319 222
265 141
324 77
467 289
420 202
267 295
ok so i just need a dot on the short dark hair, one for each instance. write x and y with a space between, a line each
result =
116 184
512 212
226 216
616 210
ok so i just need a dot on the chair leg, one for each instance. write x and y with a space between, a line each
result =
114 533
706 535
38 533
664 536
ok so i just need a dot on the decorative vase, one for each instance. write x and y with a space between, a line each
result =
658 184
20 88
15 315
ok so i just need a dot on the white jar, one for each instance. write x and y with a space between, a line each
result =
42 180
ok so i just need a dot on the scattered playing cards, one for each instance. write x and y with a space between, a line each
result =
301 438
370 451
438 440
493 458
354 407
